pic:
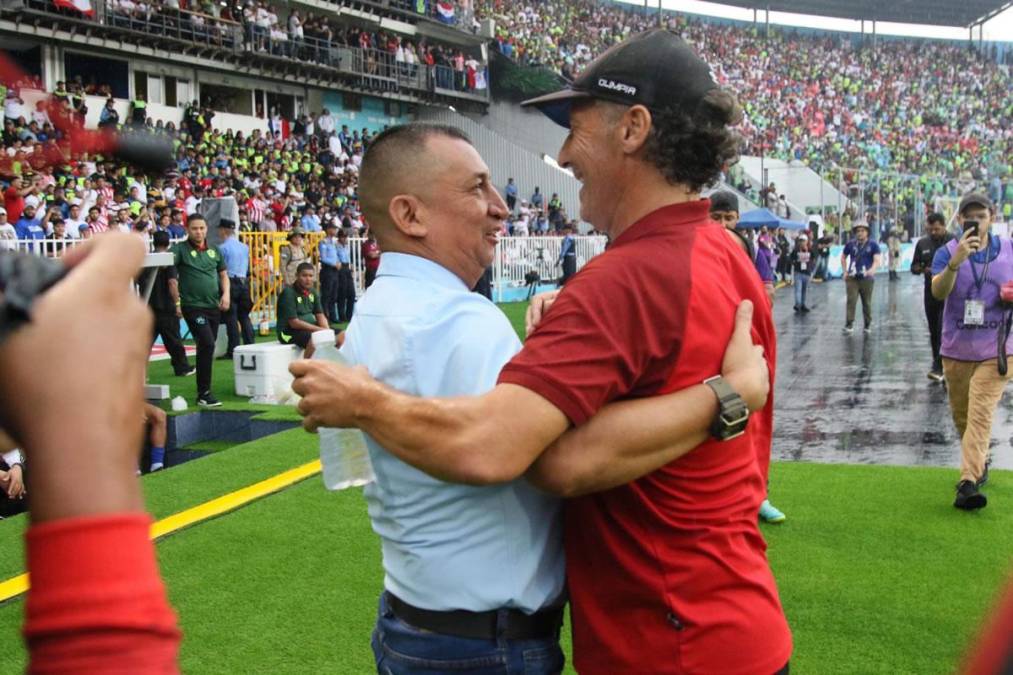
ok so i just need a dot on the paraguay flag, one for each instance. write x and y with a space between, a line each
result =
445 11
83 6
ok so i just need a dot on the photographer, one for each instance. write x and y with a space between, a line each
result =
925 251
967 275
859 261
86 505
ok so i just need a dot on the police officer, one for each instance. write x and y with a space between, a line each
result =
203 294
925 251
346 282
237 264
328 250
567 254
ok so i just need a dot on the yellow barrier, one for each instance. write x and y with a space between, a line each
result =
266 279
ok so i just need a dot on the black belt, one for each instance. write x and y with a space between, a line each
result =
481 625
240 279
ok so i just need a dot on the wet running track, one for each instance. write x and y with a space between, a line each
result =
865 399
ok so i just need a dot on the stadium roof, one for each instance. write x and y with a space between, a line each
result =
933 12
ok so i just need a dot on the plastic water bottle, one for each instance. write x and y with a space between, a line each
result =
343 452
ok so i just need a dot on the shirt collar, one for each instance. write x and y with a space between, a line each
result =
673 215
418 268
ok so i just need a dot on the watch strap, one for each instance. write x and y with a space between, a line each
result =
733 413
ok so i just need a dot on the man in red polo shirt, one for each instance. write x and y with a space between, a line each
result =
666 566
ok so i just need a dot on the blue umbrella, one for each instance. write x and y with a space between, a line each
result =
754 220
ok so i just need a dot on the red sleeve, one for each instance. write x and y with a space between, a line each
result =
97 603
993 653
615 332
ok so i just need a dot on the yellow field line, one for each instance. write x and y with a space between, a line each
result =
15 586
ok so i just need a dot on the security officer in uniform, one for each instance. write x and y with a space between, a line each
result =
346 282
921 263
567 255
328 250
237 263
204 294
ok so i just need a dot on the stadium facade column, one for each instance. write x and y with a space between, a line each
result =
51 66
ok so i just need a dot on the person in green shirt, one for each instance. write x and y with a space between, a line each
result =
203 288
300 312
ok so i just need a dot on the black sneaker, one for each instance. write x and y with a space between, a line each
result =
186 373
936 375
968 496
208 400
804 309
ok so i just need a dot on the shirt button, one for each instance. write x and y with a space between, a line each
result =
674 620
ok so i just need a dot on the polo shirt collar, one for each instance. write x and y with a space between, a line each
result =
418 268
673 215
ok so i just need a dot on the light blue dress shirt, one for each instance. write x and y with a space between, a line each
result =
328 249
236 255
446 546
344 255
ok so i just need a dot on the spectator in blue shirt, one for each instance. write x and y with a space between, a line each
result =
511 194
176 228
310 221
236 255
30 227
537 200
328 251
860 260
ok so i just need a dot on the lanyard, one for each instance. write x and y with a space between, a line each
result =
979 281
856 255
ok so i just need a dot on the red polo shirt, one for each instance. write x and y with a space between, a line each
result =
667 574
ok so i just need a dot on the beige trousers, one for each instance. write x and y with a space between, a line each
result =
975 388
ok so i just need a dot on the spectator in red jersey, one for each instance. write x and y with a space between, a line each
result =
370 257
667 571
14 197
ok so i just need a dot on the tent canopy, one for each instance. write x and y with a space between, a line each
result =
754 220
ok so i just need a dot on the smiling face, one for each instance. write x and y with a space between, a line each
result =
594 155
460 208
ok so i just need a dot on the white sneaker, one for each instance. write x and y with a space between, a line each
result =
848 330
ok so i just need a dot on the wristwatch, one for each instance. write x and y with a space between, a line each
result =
733 416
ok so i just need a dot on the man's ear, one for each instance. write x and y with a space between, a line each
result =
404 212
635 127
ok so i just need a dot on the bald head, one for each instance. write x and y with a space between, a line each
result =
397 162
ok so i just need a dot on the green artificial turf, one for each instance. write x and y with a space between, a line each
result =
873 581
877 571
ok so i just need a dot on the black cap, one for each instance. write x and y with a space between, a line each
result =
656 69
724 200
227 224
975 199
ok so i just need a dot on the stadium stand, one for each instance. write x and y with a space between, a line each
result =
927 112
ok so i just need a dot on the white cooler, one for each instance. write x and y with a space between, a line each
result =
262 369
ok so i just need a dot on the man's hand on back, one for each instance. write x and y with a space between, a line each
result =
744 366
540 304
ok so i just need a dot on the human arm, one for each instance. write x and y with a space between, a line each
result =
917 262
223 282
876 260
512 425
945 265
86 500
321 321
298 324
174 294
844 264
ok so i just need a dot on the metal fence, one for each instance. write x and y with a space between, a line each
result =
515 258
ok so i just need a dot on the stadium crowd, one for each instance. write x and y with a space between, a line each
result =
922 108
257 26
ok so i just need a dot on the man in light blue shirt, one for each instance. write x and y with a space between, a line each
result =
310 221
236 255
328 251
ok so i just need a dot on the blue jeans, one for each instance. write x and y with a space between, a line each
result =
801 288
403 649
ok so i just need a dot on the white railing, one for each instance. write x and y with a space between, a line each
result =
517 256
51 248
